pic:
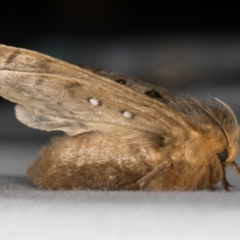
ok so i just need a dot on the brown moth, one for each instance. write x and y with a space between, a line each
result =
121 134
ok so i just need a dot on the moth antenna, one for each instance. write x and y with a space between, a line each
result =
228 108
236 168
210 115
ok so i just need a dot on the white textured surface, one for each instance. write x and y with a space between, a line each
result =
119 215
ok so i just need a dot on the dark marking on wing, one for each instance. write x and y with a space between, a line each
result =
72 88
11 58
39 81
156 95
72 113
121 81
44 66
153 94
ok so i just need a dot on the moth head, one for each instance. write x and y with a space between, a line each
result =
221 134
229 126
220 129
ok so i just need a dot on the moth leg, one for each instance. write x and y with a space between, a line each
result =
210 186
204 178
145 180
225 182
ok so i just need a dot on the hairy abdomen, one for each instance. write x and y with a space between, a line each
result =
89 161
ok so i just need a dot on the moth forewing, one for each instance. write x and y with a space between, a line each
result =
125 134
40 91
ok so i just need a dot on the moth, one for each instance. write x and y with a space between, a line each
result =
120 133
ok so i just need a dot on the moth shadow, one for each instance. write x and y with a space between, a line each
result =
15 182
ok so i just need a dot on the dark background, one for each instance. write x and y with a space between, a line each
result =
171 43
25 21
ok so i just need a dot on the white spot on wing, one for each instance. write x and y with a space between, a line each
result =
94 101
127 114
